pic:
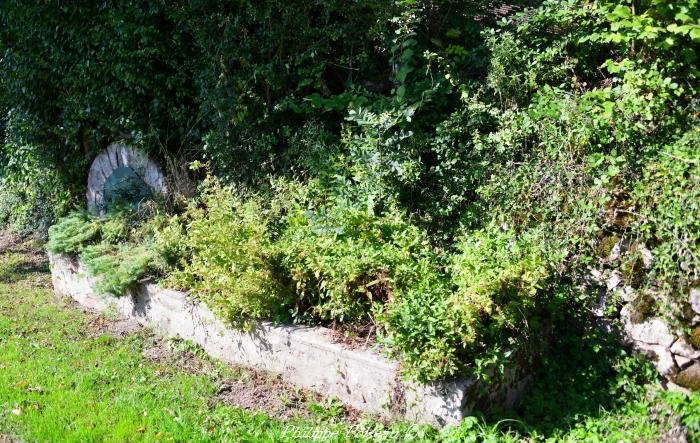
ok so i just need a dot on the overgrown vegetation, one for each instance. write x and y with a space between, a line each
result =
59 362
445 180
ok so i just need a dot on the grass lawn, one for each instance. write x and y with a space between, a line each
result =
71 375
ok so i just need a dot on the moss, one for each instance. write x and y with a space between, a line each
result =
643 307
694 337
632 267
604 246
689 378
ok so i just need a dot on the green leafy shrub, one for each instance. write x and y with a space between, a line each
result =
418 329
344 260
113 249
32 194
471 318
221 251
446 176
498 277
668 207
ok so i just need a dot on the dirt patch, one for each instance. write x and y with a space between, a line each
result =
271 395
353 336
267 394
183 356
8 240
101 325
246 388
8 439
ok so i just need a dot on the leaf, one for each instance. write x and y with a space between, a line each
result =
401 91
621 11
695 33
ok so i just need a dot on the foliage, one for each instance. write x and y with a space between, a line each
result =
479 315
447 176
33 193
224 255
498 277
667 207
72 232
100 385
345 261
108 247
117 268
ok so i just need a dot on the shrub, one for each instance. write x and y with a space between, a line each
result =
343 260
448 199
72 233
472 317
220 250
418 329
666 217
117 267
113 249
501 280
497 275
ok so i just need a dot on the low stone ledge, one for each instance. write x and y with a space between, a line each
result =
304 356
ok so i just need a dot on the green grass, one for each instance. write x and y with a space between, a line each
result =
61 381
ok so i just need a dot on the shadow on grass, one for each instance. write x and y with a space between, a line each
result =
586 371
19 264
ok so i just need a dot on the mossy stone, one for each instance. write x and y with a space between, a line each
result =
689 377
643 307
694 337
605 245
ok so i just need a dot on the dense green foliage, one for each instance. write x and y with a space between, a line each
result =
446 176
113 249
447 181
99 384
221 250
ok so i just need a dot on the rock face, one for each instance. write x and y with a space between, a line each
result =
653 331
118 156
676 356
694 300
689 377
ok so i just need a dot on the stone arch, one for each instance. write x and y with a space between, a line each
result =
117 156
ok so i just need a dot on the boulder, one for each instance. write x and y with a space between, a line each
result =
662 358
682 362
647 257
653 331
683 348
689 377
694 300
614 280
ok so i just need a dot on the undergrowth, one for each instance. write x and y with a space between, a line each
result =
101 386
456 212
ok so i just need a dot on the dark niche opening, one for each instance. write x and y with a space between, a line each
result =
125 189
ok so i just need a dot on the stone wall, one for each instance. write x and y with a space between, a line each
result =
304 356
673 348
